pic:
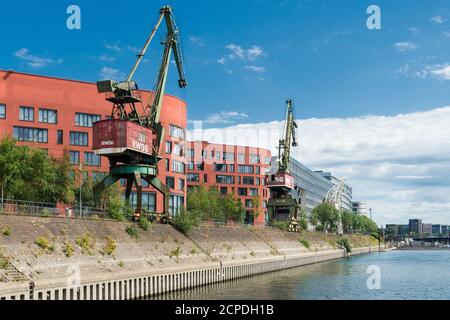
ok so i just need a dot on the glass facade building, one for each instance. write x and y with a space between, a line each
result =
313 186
347 192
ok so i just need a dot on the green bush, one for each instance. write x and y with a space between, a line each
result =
6 231
281 225
110 246
45 213
175 253
86 243
132 231
144 224
184 222
68 250
344 242
44 244
305 243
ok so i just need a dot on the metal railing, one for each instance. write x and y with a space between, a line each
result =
42 209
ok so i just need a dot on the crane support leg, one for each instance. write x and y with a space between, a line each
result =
158 185
103 185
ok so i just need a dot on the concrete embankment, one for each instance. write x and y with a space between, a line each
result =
51 258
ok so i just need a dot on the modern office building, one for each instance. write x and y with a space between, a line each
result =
347 192
56 115
427 229
360 208
313 187
445 230
231 169
415 226
436 229
401 230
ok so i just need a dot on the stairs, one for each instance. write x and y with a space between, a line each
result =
10 271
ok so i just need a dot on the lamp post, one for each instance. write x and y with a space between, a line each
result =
370 210
81 184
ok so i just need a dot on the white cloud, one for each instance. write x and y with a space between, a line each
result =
224 117
405 46
221 61
438 19
197 41
117 48
441 72
252 53
111 74
34 61
107 58
399 164
256 69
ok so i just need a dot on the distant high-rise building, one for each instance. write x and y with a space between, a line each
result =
415 226
427 229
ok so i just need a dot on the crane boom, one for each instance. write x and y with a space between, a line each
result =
284 151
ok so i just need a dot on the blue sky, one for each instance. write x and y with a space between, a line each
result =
318 52
374 104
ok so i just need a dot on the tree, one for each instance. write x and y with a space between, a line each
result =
325 214
347 220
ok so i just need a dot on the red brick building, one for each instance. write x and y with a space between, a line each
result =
57 114
235 169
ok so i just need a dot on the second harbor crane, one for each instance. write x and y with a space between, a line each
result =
283 204
132 138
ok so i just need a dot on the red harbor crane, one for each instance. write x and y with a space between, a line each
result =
132 138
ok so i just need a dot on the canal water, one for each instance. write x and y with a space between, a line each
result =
403 274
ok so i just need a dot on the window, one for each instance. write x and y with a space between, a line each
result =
267 160
254 158
218 155
86 120
248 180
242 191
249 203
220 167
231 168
175 204
176 132
74 157
204 154
253 192
205 178
148 201
48 116
258 170
2 111
193 177
200 166
178 166
181 184
31 134
228 156
78 138
26 114
91 159
168 147
167 165
60 137
191 165
225 179
245 169
178 150
223 190
170 182
258 181
241 157
191 153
